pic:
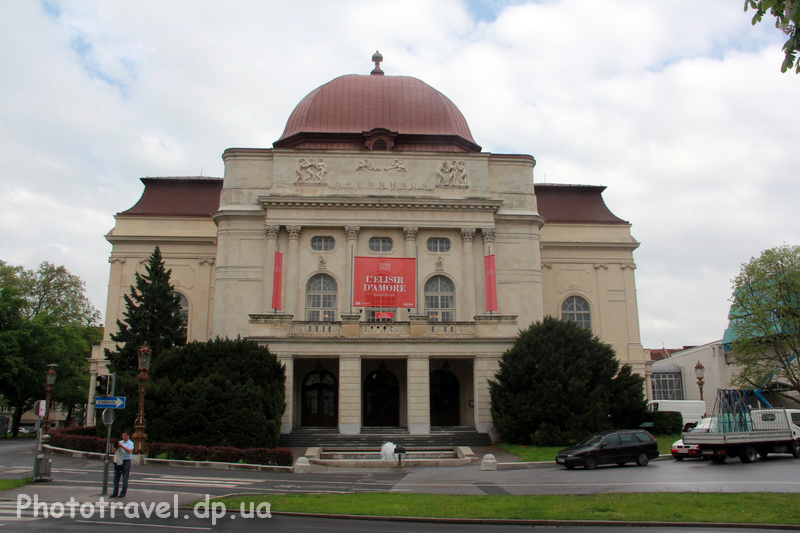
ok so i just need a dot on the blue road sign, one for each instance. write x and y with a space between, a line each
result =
109 402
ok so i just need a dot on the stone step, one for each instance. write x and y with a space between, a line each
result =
457 438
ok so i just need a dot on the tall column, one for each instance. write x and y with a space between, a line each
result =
352 249
291 270
269 264
350 395
486 366
288 414
468 261
410 233
488 235
419 395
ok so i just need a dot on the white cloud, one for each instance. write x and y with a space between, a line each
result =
677 106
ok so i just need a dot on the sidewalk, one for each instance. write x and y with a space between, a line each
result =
45 492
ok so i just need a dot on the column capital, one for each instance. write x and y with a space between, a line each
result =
352 232
271 231
294 232
467 234
488 234
410 232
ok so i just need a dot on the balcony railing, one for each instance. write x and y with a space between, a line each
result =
451 329
317 329
384 329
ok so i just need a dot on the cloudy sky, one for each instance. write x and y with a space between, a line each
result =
678 106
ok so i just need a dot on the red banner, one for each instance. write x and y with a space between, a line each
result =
384 282
277 280
491 282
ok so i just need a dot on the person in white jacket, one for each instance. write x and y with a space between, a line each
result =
122 464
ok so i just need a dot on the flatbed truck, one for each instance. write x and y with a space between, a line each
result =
749 434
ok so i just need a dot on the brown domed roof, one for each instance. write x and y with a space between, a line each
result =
400 112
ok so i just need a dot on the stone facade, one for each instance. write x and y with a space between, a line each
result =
323 207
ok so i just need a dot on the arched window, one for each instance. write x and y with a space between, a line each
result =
440 299
576 309
184 311
321 299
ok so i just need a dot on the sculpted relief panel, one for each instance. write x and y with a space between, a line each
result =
310 172
452 174
380 175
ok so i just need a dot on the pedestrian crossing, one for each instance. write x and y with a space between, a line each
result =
8 513
197 482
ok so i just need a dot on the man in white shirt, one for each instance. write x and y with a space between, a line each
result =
122 464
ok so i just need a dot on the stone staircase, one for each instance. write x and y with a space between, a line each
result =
444 436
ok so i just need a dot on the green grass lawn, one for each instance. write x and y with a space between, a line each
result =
769 508
6 484
528 454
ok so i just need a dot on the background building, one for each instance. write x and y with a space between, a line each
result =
382 172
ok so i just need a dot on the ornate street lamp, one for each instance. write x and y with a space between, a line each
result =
700 371
51 379
139 436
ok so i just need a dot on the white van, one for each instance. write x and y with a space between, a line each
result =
691 410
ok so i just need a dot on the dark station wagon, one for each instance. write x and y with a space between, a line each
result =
610 447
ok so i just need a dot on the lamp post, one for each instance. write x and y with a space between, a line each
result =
700 371
139 436
51 379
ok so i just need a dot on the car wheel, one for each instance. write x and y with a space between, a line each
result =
719 459
570 467
642 459
678 457
621 463
590 463
796 449
750 454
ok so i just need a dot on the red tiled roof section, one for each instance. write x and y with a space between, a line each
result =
574 203
177 197
354 104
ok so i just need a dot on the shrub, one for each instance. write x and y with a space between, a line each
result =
61 439
666 422
73 440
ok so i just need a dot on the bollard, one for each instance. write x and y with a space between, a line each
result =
399 450
488 462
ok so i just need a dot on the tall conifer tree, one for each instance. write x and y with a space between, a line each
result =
152 314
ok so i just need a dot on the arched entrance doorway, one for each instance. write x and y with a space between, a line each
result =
320 399
444 398
381 398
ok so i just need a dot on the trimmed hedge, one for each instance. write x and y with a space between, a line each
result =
224 454
666 422
85 443
74 439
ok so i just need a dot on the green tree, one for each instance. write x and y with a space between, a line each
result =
765 319
222 392
152 315
787 19
51 290
36 331
557 384
628 401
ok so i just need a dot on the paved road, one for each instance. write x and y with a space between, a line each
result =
81 480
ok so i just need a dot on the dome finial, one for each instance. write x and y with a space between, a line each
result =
377 58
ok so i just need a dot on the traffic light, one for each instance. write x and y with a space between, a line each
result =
101 388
